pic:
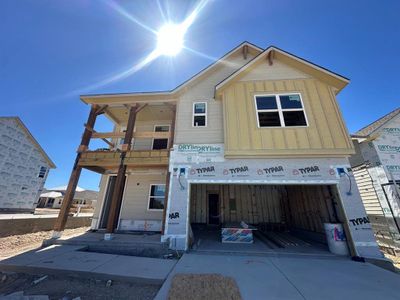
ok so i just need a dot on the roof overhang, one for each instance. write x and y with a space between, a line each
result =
332 78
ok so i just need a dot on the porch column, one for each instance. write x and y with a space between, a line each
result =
116 199
59 225
170 145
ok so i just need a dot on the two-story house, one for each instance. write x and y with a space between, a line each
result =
256 137
24 167
376 167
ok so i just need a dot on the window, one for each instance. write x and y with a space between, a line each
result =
42 172
199 114
284 110
157 196
160 143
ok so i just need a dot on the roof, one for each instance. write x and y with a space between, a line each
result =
64 188
34 141
173 92
369 129
51 195
338 81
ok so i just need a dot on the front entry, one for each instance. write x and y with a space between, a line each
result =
213 209
107 202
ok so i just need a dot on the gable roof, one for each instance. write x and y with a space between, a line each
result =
335 79
369 129
172 93
34 141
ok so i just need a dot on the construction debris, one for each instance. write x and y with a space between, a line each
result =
39 280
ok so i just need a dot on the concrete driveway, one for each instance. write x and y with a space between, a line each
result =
293 277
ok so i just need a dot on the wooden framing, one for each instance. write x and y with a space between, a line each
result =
76 171
170 145
116 199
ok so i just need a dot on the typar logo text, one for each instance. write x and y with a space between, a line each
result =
389 148
307 171
272 171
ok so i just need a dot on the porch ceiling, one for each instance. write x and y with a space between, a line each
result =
152 111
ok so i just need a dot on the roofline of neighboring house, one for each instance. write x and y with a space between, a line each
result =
177 88
271 48
19 121
395 112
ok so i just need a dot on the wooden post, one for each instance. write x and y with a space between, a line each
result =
75 174
170 145
120 181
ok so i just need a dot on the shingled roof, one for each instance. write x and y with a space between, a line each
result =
367 130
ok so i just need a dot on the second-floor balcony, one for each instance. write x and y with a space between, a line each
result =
150 139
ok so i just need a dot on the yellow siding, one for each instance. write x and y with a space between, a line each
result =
326 134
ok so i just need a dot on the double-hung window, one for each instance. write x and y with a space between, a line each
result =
282 110
199 114
157 197
160 143
42 172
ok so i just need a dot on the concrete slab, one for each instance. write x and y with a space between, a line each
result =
298 277
38 255
131 266
66 260
345 279
256 277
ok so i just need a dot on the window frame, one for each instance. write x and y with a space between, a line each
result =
149 197
154 130
199 114
280 110
40 172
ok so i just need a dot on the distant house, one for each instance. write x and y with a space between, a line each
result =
53 198
24 166
376 167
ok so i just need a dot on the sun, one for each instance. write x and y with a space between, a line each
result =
170 39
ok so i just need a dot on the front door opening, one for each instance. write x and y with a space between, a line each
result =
213 209
107 202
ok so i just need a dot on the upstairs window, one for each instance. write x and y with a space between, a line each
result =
42 172
156 197
283 110
199 114
160 143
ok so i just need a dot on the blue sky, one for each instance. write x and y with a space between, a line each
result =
53 51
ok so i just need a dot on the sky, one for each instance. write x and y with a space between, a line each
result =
53 51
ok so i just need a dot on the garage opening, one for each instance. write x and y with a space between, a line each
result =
280 217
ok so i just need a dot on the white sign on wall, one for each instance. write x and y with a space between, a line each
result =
197 153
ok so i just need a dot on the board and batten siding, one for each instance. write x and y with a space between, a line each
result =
203 91
325 135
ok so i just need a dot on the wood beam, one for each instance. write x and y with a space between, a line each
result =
270 57
167 183
140 134
245 51
59 225
116 199
101 110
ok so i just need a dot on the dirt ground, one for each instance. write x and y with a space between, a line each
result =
203 286
69 288
16 244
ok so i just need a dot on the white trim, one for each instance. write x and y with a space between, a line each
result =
268 50
280 110
148 198
154 130
199 114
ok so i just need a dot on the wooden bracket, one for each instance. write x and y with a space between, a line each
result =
101 110
141 107
245 50
270 57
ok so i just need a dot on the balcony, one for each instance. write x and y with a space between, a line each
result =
101 161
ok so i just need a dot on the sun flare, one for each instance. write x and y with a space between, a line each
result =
170 39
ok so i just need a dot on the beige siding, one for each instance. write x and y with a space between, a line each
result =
136 196
325 135
203 91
